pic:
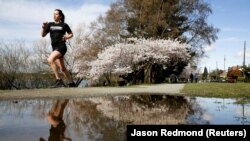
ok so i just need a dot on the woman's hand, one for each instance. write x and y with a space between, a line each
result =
65 37
44 25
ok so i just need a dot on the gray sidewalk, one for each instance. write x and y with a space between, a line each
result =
170 89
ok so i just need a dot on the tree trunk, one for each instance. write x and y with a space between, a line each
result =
147 72
108 78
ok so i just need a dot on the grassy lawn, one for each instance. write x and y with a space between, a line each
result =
221 90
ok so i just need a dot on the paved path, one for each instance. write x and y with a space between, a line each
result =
170 89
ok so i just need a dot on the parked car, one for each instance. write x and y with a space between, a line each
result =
231 80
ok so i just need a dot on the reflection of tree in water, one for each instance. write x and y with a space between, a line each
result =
197 114
88 122
105 118
146 109
13 108
16 108
151 101
243 115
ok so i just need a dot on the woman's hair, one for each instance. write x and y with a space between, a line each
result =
61 14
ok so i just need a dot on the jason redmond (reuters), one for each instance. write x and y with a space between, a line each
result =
195 131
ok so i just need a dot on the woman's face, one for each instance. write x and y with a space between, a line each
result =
57 17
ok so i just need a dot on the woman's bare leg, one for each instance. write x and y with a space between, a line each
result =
58 108
51 60
60 63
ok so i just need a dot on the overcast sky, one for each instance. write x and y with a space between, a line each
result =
22 19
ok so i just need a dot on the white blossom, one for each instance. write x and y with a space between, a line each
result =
124 58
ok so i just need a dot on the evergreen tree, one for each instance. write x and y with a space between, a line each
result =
205 74
155 19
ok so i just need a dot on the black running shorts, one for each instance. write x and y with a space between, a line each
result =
62 48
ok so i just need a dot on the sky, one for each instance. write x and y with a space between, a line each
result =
22 20
232 17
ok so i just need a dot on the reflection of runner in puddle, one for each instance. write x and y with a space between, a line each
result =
55 118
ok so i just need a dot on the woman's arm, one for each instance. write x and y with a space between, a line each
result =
68 36
43 33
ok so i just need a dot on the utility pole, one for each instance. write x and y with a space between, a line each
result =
216 70
224 63
244 55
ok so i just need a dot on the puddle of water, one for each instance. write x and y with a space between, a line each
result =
105 118
220 111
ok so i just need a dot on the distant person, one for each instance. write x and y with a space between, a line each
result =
196 77
55 118
191 77
173 78
58 30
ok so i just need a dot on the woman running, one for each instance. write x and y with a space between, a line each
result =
59 33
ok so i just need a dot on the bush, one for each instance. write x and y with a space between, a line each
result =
247 80
240 79
235 74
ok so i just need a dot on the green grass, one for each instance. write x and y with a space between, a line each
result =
221 90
